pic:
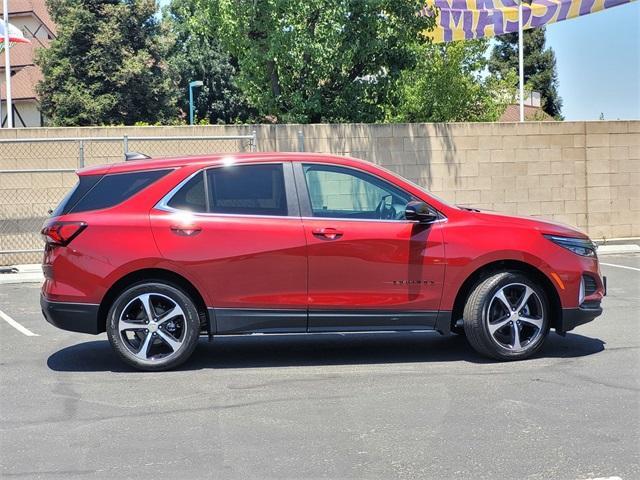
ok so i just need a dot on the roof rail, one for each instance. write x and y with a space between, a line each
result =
135 156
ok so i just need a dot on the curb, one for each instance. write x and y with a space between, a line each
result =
618 249
9 278
26 274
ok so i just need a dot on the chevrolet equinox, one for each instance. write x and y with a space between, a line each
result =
158 252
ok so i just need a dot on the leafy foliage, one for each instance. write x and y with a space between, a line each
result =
196 54
449 84
117 62
106 65
540 72
318 60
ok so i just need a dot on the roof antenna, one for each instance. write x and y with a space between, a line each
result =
135 156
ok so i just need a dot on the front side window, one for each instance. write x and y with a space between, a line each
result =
247 190
338 192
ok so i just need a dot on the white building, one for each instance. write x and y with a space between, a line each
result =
32 17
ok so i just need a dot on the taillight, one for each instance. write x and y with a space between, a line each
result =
61 233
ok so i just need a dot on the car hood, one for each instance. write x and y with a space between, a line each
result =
542 225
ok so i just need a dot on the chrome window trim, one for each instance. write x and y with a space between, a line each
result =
333 219
377 220
163 203
227 215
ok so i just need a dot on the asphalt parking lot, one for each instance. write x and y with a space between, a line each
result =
326 406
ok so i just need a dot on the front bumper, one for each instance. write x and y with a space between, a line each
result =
75 317
572 317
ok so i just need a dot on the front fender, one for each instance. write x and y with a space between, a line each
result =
457 272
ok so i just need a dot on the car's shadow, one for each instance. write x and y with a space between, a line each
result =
315 350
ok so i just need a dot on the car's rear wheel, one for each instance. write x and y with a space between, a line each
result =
506 317
153 326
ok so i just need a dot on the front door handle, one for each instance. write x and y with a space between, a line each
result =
186 230
327 233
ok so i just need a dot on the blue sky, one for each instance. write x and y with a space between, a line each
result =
598 60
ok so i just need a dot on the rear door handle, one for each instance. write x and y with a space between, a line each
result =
328 233
186 230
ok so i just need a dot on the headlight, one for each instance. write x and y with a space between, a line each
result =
579 246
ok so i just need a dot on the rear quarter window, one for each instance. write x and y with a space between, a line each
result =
108 190
85 183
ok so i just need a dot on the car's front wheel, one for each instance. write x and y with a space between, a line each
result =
506 317
153 326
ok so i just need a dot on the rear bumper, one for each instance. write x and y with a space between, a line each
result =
572 317
75 317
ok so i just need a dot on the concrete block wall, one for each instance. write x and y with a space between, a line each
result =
586 174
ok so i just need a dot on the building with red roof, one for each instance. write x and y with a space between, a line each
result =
533 111
33 19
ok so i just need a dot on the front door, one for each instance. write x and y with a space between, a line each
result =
237 229
369 268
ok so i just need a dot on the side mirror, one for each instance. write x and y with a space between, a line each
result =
420 211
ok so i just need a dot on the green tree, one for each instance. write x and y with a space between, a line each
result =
318 60
196 54
106 65
450 84
540 72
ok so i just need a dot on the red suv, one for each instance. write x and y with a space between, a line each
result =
159 252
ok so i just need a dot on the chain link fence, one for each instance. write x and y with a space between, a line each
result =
36 173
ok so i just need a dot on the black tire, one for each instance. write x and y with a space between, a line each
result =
486 310
185 334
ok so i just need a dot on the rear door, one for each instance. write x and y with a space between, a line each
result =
237 229
369 267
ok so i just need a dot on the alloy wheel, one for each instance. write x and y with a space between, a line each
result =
515 317
152 326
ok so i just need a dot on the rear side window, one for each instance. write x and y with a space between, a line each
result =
247 190
111 190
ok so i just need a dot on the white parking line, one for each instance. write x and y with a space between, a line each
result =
620 266
17 326
605 478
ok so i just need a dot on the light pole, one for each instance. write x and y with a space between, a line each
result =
521 60
192 85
